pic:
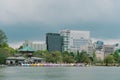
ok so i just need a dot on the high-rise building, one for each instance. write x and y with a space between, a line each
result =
66 39
54 42
35 45
75 40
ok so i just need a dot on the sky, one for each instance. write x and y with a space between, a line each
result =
32 19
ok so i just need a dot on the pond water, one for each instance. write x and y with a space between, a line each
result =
60 73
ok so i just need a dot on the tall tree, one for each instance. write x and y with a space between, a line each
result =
67 57
109 59
3 39
3 55
77 58
38 53
116 56
56 57
94 57
84 57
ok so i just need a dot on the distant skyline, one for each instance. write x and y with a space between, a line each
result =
32 19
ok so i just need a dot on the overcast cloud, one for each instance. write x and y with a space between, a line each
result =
58 11
31 19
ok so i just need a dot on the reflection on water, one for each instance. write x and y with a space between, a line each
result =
60 73
2 73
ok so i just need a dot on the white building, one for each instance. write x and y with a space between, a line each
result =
75 40
100 54
35 45
108 49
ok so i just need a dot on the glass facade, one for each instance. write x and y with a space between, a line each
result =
75 40
54 42
66 41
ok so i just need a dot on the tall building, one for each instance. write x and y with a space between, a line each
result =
35 45
54 42
75 40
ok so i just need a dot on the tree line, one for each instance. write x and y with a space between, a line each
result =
64 57
5 50
79 57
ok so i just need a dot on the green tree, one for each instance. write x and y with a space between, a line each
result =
94 58
4 48
84 57
56 57
109 59
116 56
77 58
3 39
67 57
48 57
38 53
59 57
52 57
10 50
43 54
72 54
20 47
3 55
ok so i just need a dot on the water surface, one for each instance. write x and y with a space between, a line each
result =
60 73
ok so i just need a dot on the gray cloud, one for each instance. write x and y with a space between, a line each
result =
31 19
58 11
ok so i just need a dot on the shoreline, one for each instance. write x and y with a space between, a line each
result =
52 65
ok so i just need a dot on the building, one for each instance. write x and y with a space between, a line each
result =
54 42
90 48
66 39
100 55
108 49
99 45
35 45
117 46
26 51
14 60
21 60
75 40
